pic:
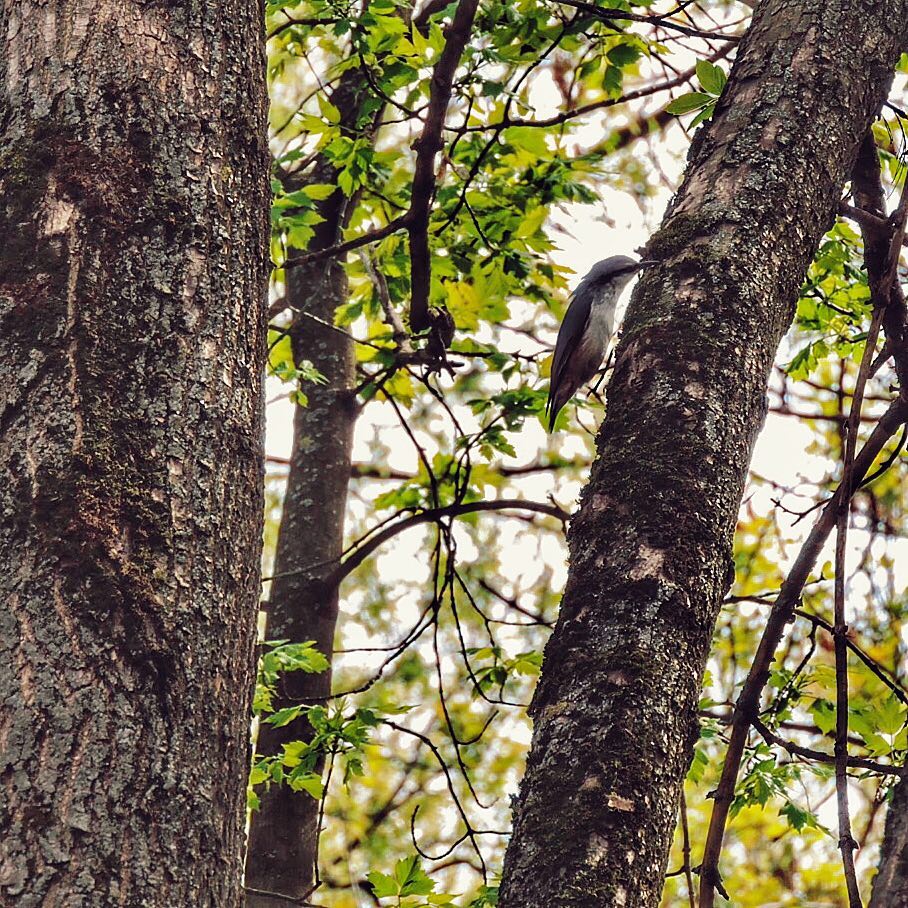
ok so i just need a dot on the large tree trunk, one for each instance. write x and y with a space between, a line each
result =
615 711
890 885
133 217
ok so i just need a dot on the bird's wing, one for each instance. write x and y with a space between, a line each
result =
569 335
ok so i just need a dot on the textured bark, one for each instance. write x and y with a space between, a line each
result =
890 886
615 710
283 837
133 217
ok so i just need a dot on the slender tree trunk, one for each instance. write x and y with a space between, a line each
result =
283 838
615 710
133 218
890 885
283 844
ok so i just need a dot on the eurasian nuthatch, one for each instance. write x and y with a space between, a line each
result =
587 328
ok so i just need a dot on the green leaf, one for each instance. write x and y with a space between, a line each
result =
612 80
382 885
319 191
532 222
890 717
704 115
412 878
487 897
284 716
712 78
689 102
310 783
346 182
328 111
419 42
798 818
529 138
698 765
803 362
824 715
623 54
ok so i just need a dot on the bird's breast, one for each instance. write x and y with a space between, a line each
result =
602 318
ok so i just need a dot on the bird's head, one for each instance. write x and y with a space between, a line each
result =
616 268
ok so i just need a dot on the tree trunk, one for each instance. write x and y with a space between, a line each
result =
283 838
615 710
283 841
133 217
890 885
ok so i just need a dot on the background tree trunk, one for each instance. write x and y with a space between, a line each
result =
283 838
615 710
890 885
133 203
283 842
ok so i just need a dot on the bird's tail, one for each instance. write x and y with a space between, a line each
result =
553 405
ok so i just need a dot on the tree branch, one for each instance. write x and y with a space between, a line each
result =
612 15
373 236
427 147
818 756
635 95
432 515
361 552
847 844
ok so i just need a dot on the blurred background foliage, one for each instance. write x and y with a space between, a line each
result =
564 139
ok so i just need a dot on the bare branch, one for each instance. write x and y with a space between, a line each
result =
612 15
818 756
847 844
373 236
433 515
564 116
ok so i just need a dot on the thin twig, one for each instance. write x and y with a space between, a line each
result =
433 515
847 843
372 236
818 756
430 515
685 852
611 15
635 95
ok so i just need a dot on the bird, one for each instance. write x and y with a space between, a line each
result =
587 327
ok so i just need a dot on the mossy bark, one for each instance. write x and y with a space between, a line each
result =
616 708
133 217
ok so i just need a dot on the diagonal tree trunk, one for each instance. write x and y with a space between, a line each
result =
615 711
133 217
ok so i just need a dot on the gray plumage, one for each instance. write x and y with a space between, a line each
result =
587 327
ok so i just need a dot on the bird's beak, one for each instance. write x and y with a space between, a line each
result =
646 263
